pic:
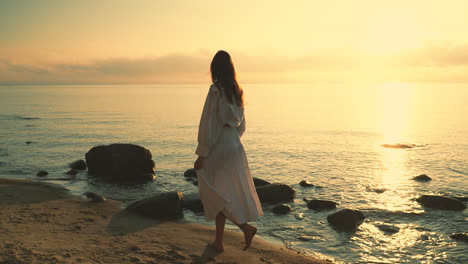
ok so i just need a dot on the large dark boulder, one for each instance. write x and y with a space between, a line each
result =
193 203
319 205
78 165
121 163
275 193
161 206
259 182
346 219
441 202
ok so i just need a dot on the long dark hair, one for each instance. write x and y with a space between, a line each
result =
223 74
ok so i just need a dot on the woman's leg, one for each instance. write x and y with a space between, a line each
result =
249 233
248 230
220 223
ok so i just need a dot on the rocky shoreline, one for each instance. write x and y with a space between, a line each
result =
43 223
277 197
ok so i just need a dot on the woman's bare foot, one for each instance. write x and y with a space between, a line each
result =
216 247
249 233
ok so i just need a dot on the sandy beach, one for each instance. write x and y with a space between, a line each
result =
43 223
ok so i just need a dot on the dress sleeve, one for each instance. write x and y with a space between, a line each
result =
210 127
241 127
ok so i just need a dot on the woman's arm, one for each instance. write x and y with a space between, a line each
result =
241 127
209 127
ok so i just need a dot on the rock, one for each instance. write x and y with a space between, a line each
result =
422 178
282 209
441 202
95 198
304 183
191 176
161 206
299 216
190 173
460 237
398 145
193 203
346 219
404 146
72 172
42 173
424 237
259 182
376 189
388 229
121 163
275 193
78 165
319 205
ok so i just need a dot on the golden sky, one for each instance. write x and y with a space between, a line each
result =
153 41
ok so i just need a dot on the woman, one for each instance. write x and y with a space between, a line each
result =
224 181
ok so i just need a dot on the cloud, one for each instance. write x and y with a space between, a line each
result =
167 69
443 62
22 68
438 56
139 67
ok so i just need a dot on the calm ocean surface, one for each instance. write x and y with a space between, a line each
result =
330 135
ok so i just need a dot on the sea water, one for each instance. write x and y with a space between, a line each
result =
328 134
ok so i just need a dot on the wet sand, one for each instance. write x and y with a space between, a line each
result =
43 223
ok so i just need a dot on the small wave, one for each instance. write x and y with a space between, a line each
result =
17 117
457 171
25 118
19 172
387 214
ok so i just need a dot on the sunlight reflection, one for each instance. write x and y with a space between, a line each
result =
394 167
395 108
393 177
395 115
406 237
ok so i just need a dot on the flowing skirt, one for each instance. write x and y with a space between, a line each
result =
225 184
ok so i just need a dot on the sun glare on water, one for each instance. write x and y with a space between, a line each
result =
395 111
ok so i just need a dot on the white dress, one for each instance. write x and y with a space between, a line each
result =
224 183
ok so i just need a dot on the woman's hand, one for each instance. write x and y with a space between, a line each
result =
198 163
